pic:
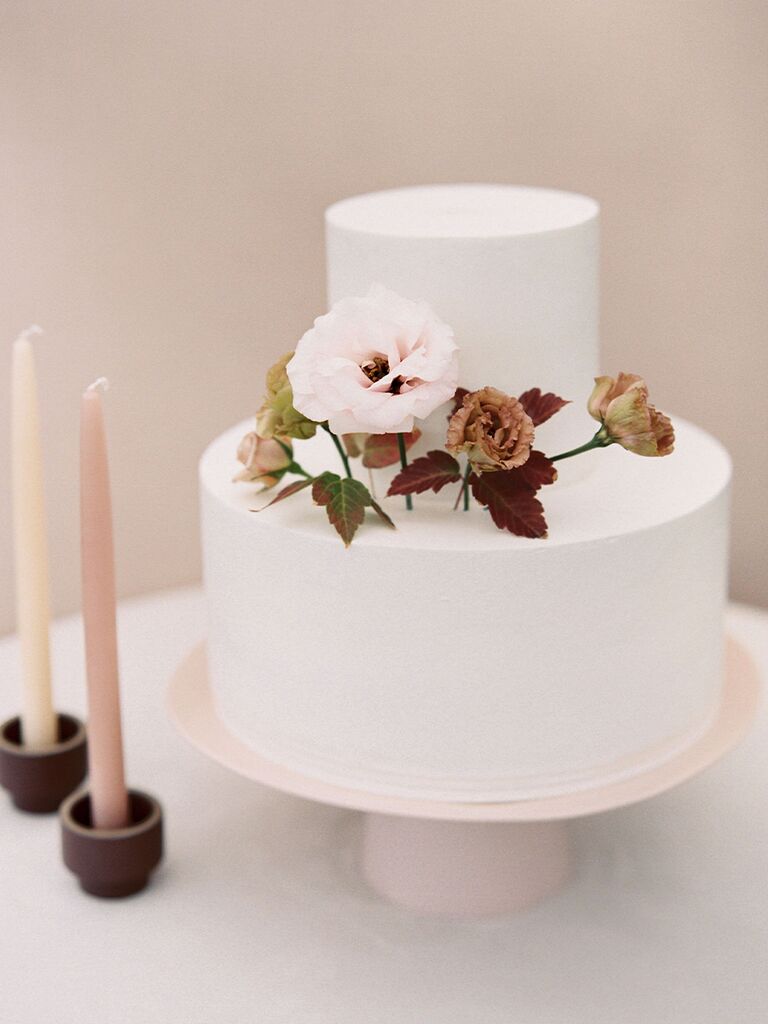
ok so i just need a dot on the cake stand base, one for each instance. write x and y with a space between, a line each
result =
464 858
463 868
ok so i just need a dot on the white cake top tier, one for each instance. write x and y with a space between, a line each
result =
462 211
513 270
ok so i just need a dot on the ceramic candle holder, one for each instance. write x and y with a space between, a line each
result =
38 780
112 862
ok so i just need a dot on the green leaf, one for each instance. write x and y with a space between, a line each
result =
345 502
321 493
294 488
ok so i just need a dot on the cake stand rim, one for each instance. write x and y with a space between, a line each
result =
190 706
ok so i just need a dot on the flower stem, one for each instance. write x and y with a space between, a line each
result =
404 464
464 489
296 468
600 440
340 450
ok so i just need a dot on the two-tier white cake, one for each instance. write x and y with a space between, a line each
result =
448 659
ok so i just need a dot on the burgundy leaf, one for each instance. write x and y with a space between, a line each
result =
536 471
540 407
458 400
431 472
382 450
512 503
382 514
294 488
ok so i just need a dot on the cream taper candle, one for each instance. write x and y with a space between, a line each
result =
109 798
38 720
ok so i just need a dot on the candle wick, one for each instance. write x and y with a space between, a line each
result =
101 384
30 332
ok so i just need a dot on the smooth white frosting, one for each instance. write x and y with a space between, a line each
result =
452 660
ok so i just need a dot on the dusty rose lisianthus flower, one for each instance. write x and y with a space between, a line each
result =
493 429
265 460
374 364
628 418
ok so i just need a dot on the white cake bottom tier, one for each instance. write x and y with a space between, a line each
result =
453 661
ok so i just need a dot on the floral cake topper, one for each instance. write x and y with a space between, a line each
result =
373 365
370 368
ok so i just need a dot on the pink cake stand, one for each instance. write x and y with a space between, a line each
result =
464 859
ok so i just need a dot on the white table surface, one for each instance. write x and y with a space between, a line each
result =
257 914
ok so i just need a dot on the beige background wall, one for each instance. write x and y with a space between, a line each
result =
165 167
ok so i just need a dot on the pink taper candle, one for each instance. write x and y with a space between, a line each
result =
109 798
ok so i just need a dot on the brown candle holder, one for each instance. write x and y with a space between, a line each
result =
112 862
39 779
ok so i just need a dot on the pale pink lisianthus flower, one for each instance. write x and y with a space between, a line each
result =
374 365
